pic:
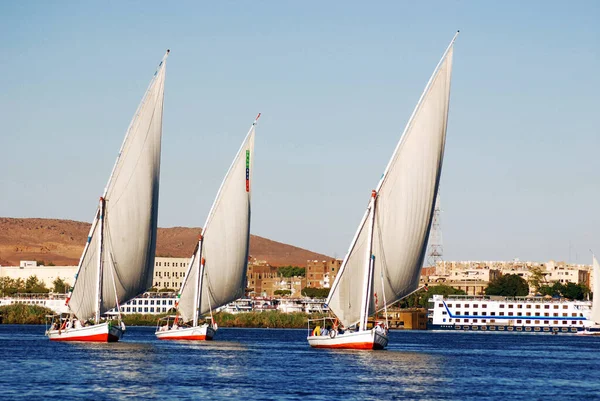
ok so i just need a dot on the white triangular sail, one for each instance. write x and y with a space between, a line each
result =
405 198
595 316
225 243
130 215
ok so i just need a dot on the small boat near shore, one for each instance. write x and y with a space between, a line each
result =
386 255
118 258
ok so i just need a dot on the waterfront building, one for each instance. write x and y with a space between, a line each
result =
169 273
322 273
46 274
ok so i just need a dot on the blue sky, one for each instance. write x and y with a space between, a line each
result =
336 83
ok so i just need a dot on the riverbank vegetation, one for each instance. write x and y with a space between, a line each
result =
24 314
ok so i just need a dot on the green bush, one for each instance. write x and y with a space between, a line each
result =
24 314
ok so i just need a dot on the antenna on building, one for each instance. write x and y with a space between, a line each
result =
435 250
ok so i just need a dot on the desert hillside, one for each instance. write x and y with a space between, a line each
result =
61 242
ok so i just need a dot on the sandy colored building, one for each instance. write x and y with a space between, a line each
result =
321 273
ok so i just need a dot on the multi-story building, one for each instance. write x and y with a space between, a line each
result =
321 273
169 273
46 274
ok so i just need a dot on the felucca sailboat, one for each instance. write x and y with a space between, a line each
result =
385 257
216 274
118 258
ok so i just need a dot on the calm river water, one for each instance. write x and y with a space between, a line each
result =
272 364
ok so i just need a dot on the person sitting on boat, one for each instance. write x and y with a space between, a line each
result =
69 323
175 326
379 327
317 331
325 331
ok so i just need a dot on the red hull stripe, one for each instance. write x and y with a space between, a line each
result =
351 346
98 338
196 338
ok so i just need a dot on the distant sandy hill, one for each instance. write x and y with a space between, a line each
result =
61 242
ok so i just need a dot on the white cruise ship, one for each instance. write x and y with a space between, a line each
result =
516 314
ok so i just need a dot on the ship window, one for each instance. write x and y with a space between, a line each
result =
501 314
519 313
492 320
457 313
528 314
474 320
527 321
556 314
510 306
564 322
537 322
574 322
457 320
483 320
555 306
441 305
528 306
519 306
475 306
519 321
449 305
510 313
444 320
466 305
565 314
537 307
546 306
537 313
573 314
493 313
466 320
444 313
546 314
457 305
556 322
475 313
484 305
502 306
565 307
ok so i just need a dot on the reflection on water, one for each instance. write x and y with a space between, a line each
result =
278 364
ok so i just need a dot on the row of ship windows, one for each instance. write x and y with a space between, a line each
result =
518 321
518 314
143 309
150 302
501 306
167 275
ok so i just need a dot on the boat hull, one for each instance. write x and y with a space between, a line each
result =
368 339
198 333
101 333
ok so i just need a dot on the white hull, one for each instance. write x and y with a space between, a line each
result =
198 333
103 332
368 339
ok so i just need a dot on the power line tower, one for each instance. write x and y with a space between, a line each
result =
436 249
